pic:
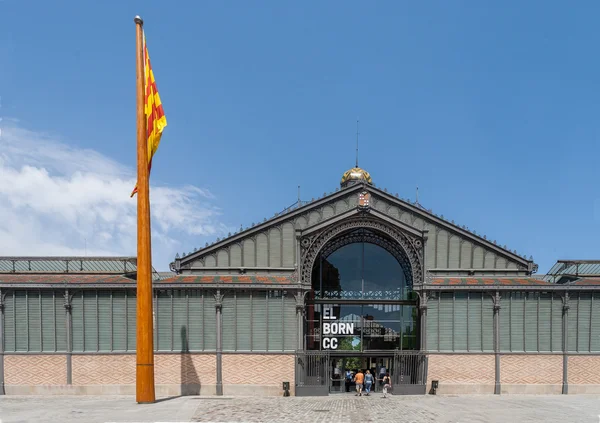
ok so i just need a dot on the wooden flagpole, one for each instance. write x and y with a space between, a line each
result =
145 392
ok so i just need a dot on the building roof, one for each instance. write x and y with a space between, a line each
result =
227 279
81 265
304 208
565 271
70 279
64 279
489 281
585 281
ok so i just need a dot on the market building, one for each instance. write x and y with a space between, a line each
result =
359 278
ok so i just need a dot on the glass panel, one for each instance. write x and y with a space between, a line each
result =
360 327
383 275
359 270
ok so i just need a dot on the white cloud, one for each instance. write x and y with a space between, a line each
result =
57 199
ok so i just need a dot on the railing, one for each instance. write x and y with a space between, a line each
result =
409 372
312 373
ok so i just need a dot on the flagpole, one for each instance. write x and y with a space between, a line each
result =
145 355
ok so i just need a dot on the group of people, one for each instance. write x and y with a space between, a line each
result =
365 381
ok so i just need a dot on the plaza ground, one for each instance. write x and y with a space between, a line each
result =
464 408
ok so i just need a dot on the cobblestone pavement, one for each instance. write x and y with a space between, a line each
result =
403 409
439 409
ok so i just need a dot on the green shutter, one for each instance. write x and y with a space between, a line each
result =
164 320
572 323
460 321
275 321
290 324
9 323
504 321
259 321
432 325
48 321
531 321
583 322
446 313
131 319
517 315
557 326
77 321
119 321
545 322
243 321
61 321
34 319
179 320
210 322
104 321
474 320
228 322
21 327
595 326
196 320
90 320
487 324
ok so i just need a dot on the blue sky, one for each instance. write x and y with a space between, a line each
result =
491 109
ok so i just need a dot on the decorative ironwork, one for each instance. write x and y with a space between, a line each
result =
565 301
372 238
360 295
299 297
219 300
497 298
68 304
413 255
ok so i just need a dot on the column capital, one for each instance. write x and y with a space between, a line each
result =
219 300
497 299
565 300
299 297
68 298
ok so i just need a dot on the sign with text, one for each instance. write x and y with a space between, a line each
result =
331 328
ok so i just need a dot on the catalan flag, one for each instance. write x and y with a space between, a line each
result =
156 121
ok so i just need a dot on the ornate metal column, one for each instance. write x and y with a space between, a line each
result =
69 324
2 392
423 296
219 307
565 327
497 307
300 319
423 323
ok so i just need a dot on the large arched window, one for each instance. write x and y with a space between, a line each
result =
361 266
361 295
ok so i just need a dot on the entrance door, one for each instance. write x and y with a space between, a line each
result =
342 371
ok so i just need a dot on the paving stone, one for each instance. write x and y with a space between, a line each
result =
419 409
339 408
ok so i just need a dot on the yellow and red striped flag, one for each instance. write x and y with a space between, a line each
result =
156 121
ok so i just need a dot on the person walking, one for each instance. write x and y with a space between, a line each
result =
368 382
359 379
387 384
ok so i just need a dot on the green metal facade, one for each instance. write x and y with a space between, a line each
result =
103 320
272 246
529 322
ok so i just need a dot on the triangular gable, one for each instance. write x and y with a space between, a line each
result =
272 245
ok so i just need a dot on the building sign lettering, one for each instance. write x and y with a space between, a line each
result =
333 328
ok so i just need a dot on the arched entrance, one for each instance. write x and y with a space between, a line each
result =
361 312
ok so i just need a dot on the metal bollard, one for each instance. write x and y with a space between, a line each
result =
286 389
